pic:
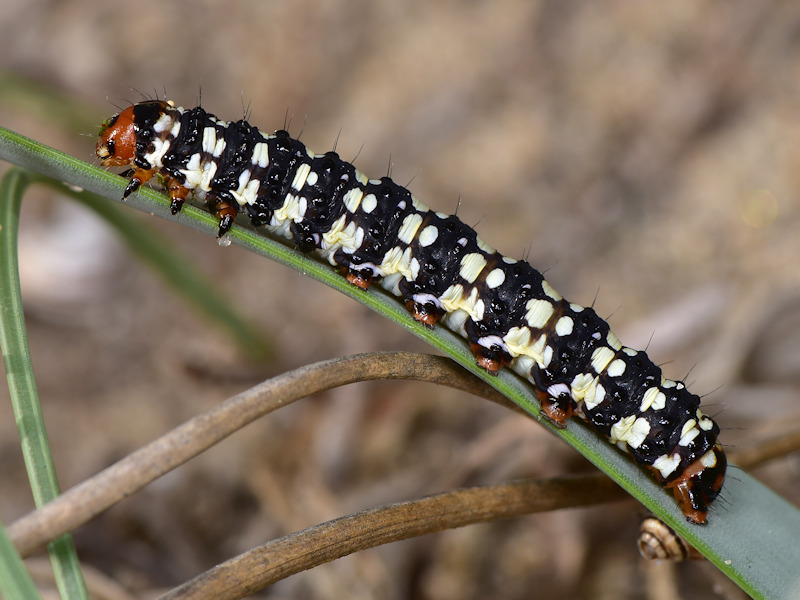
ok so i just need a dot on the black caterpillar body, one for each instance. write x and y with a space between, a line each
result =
376 231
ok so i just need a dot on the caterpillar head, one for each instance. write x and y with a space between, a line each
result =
117 144
121 134
699 484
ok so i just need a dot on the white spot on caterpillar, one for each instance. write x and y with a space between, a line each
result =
690 435
414 262
353 198
300 176
616 368
491 340
471 266
591 401
613 341
581 385
576 307
452 297
209 170
453 300
427 299
495 278
455 321
564 326
689 432
428 236
484 246
192 172
630 430
550 291
391 282
418 205
164 123
160 148
601 357
248 193
547 356
293 209
312 178
667 383
473 305
398 260
666 464
409 228
704 423
539 312
630 351
209 140
621 429
517 340
554 391
688 426
541 349
709 459
330 239
653 398
219 148
368 204
509 261
261 155
639 432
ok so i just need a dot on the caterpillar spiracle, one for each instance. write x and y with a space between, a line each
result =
376 231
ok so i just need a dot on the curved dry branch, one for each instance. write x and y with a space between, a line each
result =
94 495
765 450
267 564
258 568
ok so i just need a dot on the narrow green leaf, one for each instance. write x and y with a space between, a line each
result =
15 581
22 385
752 532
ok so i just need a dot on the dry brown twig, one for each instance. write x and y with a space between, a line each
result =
91 497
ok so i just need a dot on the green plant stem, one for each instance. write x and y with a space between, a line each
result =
22 384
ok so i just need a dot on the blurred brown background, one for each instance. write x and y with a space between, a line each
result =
645 154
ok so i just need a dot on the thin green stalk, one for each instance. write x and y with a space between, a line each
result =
15 581
22 384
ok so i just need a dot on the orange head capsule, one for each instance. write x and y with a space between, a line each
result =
117 144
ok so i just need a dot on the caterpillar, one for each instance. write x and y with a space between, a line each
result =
376 231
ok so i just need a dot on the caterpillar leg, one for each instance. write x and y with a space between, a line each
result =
556 410
224 211
492 359
556 402
177 194
426 313
138 177
360 279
